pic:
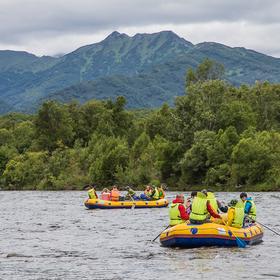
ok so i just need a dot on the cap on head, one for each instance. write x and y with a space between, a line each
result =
180 198
233 202
243 194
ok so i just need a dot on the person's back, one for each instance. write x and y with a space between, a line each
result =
199 209
177 211
115 194
213 201
236 214
92 194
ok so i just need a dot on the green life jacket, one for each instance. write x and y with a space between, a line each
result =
199 208
91 194
174 215
238 214
213 201
253 210
156 194
161 193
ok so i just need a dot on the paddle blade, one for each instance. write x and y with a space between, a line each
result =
240 243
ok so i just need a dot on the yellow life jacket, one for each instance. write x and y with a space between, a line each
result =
199 208
156 194
174 215
238 215
213 201
92 194
253 210
240 204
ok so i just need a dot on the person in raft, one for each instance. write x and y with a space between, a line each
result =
177 211
250 208
214 202
115 194
158 193
147 193
91 191
131 194
105 194
189 201
201 209
236 213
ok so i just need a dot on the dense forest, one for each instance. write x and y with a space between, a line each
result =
216 135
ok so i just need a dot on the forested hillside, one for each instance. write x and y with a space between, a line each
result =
217 135
148 69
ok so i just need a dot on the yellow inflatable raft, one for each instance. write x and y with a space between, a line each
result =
107 204
209 234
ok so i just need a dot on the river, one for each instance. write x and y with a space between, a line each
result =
51 235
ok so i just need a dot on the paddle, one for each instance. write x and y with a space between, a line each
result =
133 205
277 233
240 242
160 234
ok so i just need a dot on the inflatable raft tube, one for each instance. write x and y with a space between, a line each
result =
107 204
209 234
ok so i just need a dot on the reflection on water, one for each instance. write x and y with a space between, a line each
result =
50 235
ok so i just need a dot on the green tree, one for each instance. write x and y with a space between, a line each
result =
53 126
207 70
106 156
25 171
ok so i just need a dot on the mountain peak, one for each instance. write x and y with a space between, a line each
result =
116 34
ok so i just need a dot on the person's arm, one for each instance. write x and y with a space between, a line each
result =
248 206
183 213
212 212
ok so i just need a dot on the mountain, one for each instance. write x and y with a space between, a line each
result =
148 69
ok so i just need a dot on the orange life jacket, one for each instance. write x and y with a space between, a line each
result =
115 195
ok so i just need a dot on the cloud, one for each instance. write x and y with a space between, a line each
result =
55 26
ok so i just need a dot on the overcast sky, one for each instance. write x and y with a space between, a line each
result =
50 27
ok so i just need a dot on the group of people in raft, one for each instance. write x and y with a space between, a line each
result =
204 205
150 193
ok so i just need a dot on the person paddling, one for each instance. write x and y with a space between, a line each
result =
91 192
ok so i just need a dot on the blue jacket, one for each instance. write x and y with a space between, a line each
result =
248 205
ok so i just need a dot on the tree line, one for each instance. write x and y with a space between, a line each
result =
216 135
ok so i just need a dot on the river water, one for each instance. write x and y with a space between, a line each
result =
51 235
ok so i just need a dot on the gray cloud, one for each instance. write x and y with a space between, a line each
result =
46 24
